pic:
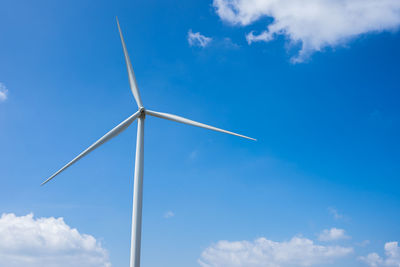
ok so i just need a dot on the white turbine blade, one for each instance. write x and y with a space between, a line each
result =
131 74
114 132
190 122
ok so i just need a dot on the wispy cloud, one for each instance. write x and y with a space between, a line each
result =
363 243
392 251
169 214
332 234
37 242
3 92
193 155
267 253
229 44
314 25
197 39
336 215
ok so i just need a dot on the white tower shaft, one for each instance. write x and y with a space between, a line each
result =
136 234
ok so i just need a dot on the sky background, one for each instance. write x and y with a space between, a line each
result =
327 122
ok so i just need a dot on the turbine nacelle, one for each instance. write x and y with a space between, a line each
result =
142 112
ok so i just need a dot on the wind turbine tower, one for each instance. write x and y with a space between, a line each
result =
140 115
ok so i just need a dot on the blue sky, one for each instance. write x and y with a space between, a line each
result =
321 100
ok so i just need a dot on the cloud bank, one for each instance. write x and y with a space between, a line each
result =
266 253
3 92
392 251
313 24
36 242
197 39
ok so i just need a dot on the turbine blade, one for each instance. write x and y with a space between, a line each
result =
131 74
190 122
114 132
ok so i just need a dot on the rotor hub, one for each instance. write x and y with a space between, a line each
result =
142 111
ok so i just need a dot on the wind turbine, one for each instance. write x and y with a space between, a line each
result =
140 115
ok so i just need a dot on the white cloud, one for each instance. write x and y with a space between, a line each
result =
169 214
37 242
372 259
392 251
266 253
3 92
197 39
332 234
314 24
